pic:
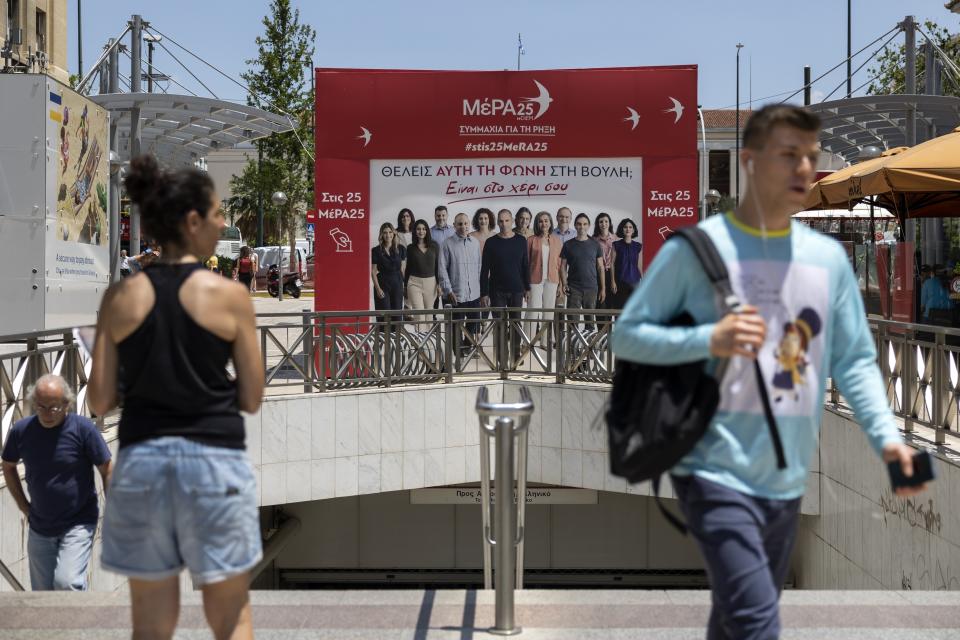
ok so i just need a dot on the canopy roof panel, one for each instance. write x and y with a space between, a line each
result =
850 124
181 129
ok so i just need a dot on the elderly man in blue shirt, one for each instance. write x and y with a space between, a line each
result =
59 450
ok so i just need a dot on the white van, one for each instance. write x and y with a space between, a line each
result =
229 243
268 256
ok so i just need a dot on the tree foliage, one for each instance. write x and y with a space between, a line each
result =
279 82
887 77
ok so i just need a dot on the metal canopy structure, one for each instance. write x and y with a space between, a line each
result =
850 124
179 129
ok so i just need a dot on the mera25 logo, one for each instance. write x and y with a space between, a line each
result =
524 108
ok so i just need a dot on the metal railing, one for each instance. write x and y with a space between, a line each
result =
919 365
509 420
30 356
340 350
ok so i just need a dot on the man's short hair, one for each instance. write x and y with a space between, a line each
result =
439 208
762 122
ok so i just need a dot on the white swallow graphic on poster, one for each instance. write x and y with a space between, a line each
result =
634 117
677 109
543 100
365 136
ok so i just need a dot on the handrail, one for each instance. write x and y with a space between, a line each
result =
512 421
10 578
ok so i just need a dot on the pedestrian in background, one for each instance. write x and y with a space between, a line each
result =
59 450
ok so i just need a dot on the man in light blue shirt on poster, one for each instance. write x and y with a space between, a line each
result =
803 320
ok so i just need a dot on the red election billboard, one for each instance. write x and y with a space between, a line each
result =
620 140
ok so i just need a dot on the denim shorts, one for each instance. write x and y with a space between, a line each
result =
175 503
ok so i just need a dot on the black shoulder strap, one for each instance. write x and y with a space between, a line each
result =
718 275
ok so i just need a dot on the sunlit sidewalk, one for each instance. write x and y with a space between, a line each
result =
462 615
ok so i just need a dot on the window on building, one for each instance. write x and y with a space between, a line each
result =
720 172
13 21
41 31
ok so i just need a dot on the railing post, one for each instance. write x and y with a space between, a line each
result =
503 359
908 377
388 347
560 338
307 350
322 377
939 381
449 328
512 420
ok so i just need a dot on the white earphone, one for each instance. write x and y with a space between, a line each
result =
750 166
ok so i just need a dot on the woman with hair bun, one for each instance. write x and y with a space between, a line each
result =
184 493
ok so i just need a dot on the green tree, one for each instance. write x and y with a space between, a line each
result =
887 77
278 83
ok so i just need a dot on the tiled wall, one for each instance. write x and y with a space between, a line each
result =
318 446
349 443
865 537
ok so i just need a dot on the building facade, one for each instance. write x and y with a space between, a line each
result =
34 36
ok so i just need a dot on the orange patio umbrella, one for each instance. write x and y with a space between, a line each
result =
838 190
923 181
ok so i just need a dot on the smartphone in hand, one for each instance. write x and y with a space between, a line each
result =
922 471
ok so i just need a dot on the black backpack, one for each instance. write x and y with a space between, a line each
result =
657 414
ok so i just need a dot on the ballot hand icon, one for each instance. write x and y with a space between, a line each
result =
342 240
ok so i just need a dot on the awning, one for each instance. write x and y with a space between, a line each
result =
850 124
834 190
922 181
181 129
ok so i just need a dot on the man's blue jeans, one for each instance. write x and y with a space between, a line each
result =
59 563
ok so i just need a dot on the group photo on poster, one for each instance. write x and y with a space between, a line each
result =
562 233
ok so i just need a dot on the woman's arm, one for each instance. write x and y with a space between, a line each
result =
102 385
613 272
246 352
374 271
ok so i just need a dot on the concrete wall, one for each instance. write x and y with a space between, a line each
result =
387 531
867 538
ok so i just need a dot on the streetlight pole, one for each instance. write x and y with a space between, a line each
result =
79 40
737 159
279 199
259 195
849 54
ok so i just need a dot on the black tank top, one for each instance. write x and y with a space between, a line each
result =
173 376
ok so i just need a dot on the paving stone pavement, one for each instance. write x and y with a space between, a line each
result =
466 615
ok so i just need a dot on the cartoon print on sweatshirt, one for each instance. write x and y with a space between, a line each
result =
791 354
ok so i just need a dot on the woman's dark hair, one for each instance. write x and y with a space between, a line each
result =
476 218
624 223
427 239
166 197
244 251
401 227
536 223
596 223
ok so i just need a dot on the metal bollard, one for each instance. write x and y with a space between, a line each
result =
511 420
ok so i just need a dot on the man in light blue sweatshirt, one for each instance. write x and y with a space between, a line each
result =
804 320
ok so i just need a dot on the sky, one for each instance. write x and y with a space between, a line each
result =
779 37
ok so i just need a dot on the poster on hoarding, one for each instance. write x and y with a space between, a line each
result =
81 185
620 141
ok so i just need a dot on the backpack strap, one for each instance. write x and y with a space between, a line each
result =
672 519
719 277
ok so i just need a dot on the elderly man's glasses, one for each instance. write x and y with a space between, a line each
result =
51 408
